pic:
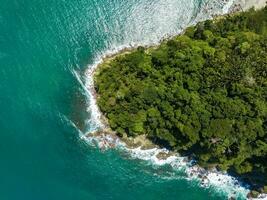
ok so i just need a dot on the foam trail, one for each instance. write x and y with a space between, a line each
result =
66 119
95 115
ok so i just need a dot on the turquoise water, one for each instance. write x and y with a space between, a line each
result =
41 44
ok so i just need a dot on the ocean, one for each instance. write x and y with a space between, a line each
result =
46 47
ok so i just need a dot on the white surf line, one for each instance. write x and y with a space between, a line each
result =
92 108
219 182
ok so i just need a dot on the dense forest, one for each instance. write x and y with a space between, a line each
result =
203 93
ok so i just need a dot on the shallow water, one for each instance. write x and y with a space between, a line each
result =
42 45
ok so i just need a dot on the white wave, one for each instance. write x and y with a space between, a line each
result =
261 197
218 181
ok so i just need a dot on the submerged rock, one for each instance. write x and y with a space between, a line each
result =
163 155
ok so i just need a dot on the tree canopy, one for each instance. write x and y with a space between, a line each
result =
202 93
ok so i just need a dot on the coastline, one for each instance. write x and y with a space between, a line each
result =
142 148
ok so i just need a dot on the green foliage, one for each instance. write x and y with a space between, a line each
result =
203 92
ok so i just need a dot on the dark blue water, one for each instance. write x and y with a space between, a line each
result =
41 44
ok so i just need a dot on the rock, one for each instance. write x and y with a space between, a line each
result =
253 194
163 155
139 141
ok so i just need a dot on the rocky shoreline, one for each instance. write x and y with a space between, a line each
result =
142 148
